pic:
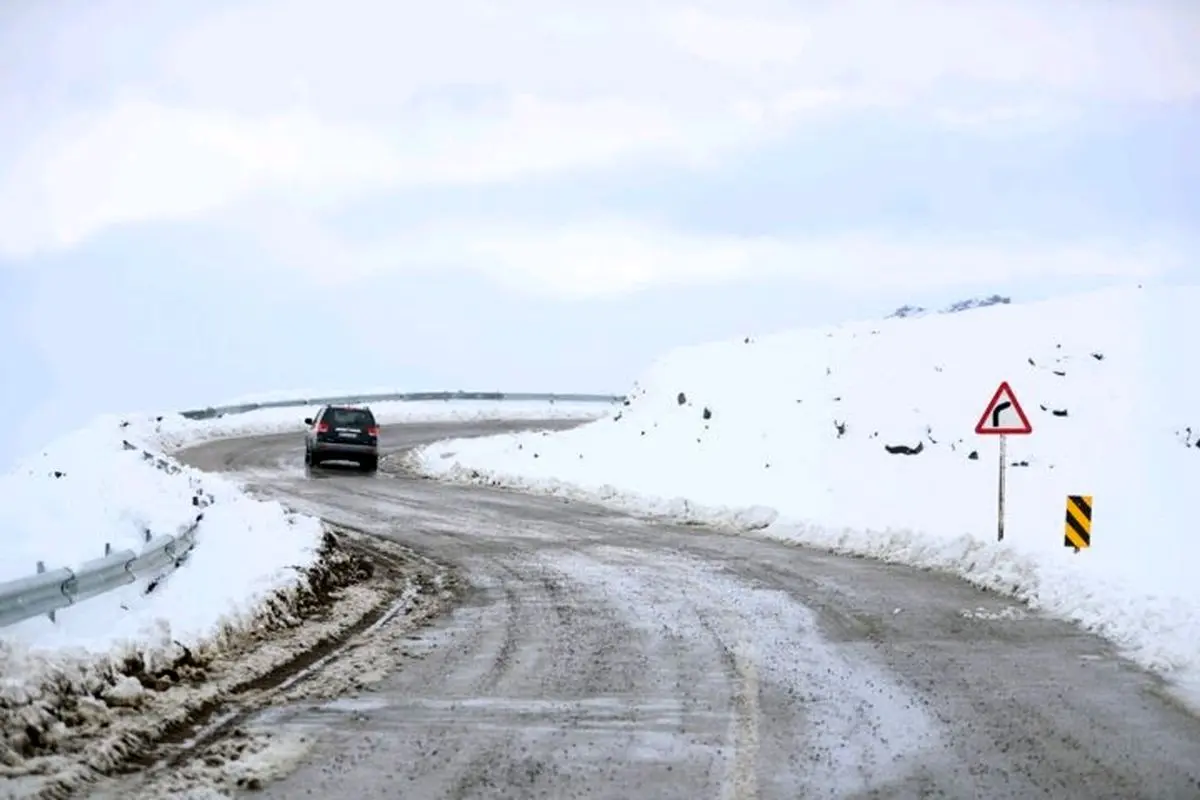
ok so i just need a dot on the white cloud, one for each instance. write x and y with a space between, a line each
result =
1142 51
1004 119
141 161
680 53
740 42
614 257
245 100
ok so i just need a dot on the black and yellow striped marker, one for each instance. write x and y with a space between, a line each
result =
1079 521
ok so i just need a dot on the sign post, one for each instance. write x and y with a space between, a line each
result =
1003 416
1000 503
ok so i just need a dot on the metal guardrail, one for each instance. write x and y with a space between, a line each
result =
215 412
49 591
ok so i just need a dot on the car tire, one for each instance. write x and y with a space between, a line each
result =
370 464
314 460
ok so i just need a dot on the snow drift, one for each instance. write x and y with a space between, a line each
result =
860 438
111 484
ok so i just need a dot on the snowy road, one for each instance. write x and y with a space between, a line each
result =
601 656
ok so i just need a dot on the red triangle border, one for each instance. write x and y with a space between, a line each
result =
981 426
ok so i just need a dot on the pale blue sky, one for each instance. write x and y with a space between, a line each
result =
214 199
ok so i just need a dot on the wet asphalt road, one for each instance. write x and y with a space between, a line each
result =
599 656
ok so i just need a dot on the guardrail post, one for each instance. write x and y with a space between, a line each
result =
41 567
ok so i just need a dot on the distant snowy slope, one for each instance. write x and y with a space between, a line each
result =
800 424
905 311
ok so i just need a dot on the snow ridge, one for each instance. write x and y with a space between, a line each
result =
906 311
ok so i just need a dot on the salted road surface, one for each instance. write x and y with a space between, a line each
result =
601 656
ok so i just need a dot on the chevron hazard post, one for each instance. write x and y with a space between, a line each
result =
1078 528
1003 416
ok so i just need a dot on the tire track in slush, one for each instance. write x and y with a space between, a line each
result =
475 773
738 659
502 662
740 662
478 774
741 782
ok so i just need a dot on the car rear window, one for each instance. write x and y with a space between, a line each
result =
349 418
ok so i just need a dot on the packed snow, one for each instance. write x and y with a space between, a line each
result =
860 438
88 490
111 482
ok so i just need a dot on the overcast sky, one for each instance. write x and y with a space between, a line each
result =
200 200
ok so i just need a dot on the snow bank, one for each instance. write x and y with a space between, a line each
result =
790 434
110 484
89 489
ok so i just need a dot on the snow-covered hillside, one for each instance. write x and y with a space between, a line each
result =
111 483
861 438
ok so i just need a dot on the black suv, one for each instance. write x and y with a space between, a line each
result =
342 433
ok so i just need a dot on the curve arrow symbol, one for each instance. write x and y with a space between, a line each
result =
996 412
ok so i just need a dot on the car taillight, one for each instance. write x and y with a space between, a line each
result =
373 430
323 427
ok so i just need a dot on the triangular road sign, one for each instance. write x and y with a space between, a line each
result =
1004 414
